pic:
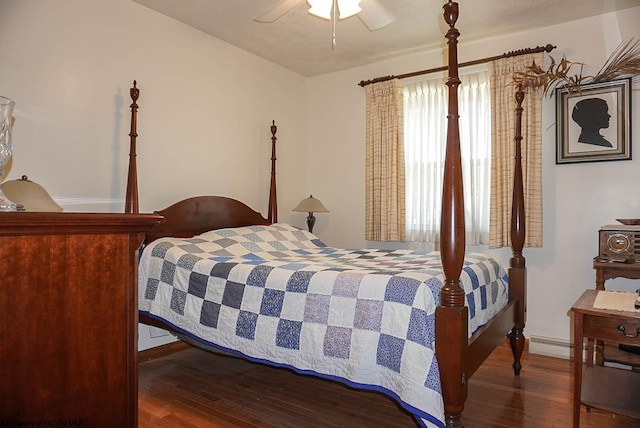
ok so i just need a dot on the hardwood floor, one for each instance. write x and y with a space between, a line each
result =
194 388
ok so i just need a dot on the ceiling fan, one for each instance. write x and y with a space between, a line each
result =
371 12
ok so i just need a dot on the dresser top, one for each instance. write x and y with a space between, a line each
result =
33 223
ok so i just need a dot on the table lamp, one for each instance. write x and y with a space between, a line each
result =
311 205
29 195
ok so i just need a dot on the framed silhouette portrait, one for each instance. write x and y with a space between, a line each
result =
594 124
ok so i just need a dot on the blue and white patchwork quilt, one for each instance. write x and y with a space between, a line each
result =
278 295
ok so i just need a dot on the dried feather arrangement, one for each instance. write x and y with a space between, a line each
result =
623 62
558 74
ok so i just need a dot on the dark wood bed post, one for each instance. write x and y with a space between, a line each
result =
517 265
272 216
452 314
131 198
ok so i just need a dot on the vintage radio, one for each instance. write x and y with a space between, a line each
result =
619 243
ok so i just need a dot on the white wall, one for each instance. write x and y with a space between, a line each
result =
204 116
578 198
205 106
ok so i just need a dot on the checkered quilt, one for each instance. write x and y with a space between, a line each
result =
278 295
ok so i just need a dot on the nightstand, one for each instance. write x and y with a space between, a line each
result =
608 270
606 388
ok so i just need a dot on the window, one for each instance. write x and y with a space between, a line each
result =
425 134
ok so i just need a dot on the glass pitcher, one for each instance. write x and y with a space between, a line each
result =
6 112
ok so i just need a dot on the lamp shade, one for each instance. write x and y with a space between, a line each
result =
311 205
31 195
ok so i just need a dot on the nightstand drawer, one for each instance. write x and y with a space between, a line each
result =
620 330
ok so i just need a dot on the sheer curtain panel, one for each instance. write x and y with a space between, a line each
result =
425 109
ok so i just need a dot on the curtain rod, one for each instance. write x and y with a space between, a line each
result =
547 48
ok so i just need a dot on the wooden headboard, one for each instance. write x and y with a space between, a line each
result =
200 214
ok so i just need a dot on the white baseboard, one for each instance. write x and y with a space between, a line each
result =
551 347
559 348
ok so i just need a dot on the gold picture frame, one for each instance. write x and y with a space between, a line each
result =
593 124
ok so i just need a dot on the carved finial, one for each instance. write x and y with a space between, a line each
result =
134 92
451 13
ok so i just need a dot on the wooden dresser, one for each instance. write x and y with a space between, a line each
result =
68 318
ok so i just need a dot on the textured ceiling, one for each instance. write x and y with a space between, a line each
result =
302 42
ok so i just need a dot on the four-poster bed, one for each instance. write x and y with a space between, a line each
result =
227 227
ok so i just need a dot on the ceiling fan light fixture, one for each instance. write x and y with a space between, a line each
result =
321 8
348 8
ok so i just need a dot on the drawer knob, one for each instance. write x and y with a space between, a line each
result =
622 329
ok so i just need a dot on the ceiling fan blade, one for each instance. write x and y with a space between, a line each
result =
277 11
374 15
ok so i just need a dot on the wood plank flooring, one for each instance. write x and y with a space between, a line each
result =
193 388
